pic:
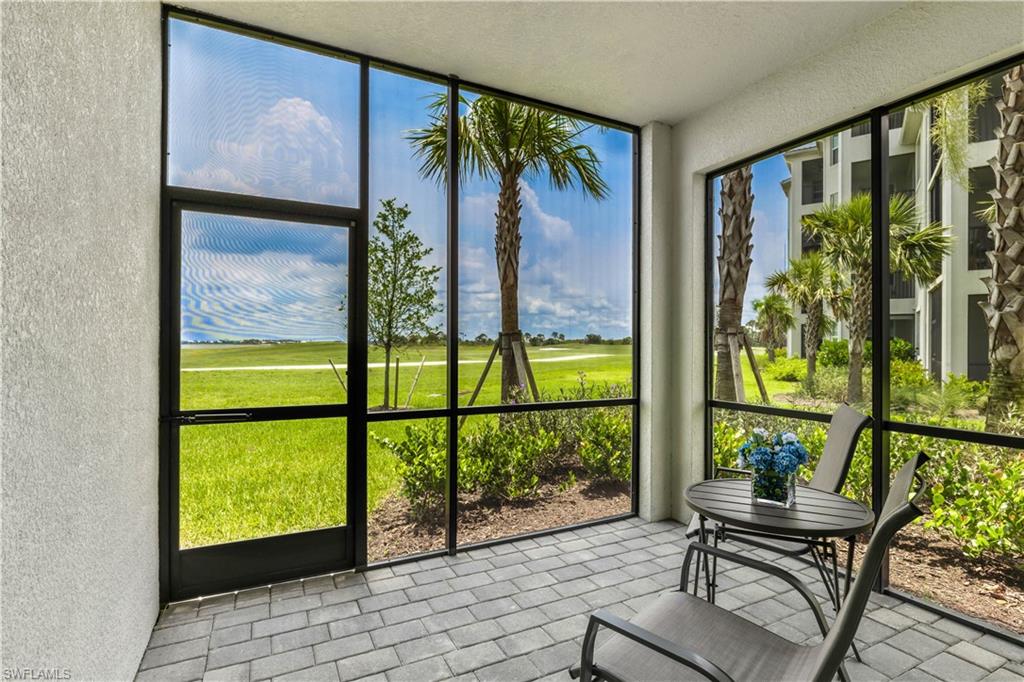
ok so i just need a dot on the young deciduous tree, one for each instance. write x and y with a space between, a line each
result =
402 292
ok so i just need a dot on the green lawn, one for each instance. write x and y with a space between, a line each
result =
242 481
772 386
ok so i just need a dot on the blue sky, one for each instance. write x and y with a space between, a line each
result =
770 228
254 117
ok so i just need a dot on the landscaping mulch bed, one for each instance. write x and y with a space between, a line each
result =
927 565
391 533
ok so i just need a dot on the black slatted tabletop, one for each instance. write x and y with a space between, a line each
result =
815 514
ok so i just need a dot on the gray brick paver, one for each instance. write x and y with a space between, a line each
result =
888 660
473 657
393 634
449 620
279 664
231 635
174 653
977 655
232 673
325 672
354 625
424 647
181 671
405 612
949 667
238 653
427 670
180 633
369 663
273 626
299 638
519 611
343 647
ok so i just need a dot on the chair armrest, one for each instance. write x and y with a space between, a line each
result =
730 470
762 566
644 637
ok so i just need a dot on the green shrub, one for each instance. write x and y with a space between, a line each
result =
502 463
422 464
834 353
607 444
786 369
909 374
830 383
986 510
975 393
899 349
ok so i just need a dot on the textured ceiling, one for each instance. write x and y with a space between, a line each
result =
635 62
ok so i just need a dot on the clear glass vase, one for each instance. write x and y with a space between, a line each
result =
772 488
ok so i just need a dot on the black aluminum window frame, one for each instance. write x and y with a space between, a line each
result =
358 417
877 123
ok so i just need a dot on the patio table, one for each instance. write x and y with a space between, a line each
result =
817 518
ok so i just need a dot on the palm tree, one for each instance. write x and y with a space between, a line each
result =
915 249
811 283
734 261
1004 309
774 319
504 140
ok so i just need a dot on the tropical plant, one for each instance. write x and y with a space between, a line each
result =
734 262
834 353
1003 309
510 142
916 249
774 319
811 283
401 289
952 126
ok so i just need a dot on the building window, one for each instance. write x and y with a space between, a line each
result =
834 150
813 187
979 237
861 129
977 339
901 175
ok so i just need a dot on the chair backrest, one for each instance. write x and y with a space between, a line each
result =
897 512
840 444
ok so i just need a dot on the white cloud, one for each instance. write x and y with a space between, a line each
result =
291 151
551 226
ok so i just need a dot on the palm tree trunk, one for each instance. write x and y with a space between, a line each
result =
1004 309
387 376
733 268
812 339
771 353
507 239
860 314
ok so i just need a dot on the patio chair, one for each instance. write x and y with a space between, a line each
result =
830 475
683 637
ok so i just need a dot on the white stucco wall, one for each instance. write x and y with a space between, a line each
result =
919 45
79 265
657 355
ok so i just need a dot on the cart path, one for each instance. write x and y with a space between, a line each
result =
380 365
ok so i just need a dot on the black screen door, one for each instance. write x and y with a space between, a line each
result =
260 409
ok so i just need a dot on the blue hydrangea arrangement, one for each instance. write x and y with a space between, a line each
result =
774 460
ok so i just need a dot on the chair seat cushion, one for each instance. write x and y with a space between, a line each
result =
739 647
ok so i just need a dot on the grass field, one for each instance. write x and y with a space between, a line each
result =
248 480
